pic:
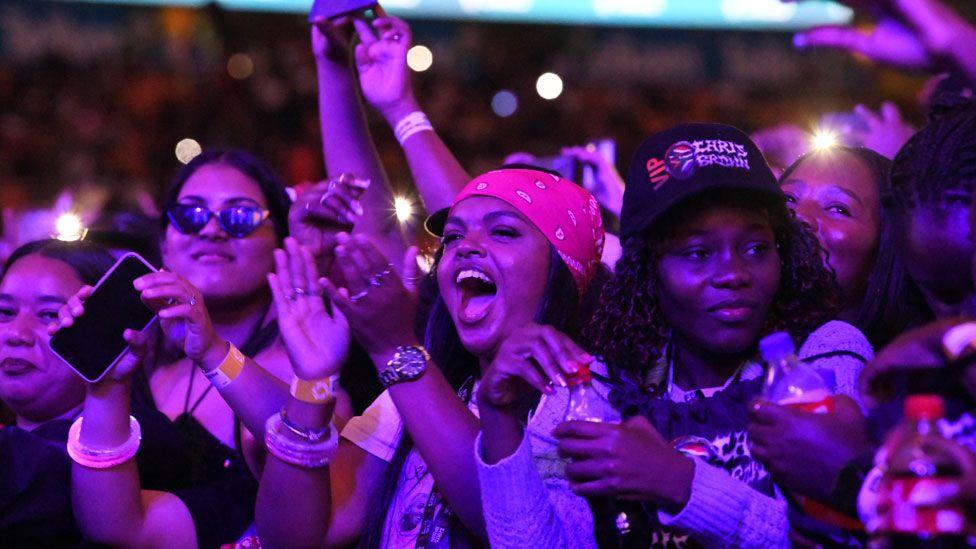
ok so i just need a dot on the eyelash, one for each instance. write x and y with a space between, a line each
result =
505 232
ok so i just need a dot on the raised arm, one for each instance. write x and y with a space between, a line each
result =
381 59
910 34
346 143
381 311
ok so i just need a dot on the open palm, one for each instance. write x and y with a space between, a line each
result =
381 60
316 340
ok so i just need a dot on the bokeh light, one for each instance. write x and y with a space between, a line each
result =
69 228
420 58
504 103
549 85
240 66
187 149
403 208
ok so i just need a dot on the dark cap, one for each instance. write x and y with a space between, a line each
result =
671 166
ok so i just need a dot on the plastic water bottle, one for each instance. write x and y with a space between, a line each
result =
790 382
919 467
585 403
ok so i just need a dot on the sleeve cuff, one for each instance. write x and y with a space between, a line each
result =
508 472
713 505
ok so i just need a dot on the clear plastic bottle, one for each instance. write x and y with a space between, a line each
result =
616 523
585 403
919 466
790 382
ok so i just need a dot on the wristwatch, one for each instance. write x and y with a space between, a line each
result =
408 363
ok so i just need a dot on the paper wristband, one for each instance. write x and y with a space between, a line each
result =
103 458
411 124
229 369
313 391
958 339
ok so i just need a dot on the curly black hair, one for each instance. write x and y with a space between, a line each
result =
629 331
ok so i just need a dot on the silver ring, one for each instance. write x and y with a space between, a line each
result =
397 37
300 291
193 301
355 298
377 279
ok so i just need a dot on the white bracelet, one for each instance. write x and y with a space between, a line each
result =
103 458
959 338
293 450
411 124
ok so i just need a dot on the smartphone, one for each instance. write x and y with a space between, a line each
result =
94 344
323 10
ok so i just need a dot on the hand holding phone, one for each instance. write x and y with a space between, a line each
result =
98 325
324 10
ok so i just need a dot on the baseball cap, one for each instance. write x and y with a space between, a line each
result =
674 165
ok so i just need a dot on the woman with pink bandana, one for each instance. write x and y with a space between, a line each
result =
519 248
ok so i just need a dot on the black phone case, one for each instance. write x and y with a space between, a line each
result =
323 10
63 343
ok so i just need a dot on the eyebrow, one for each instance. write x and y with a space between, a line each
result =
42 299
232 200
489 217
832 186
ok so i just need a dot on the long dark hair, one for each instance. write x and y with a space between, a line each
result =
268 181
892 302
560 308
629 330
89 261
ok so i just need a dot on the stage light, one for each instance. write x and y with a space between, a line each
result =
69 227
403 208
240 66
187 149
420 58
549 85
823 139
504 103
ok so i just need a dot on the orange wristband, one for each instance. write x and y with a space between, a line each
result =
229 369
314 391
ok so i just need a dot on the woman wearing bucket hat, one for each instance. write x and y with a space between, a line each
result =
712 262
519 247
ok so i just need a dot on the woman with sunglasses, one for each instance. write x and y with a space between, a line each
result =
226 214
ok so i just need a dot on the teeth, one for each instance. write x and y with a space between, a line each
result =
471 273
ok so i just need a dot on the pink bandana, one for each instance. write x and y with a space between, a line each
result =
567 215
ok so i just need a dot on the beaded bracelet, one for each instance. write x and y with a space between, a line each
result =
283 444
103 458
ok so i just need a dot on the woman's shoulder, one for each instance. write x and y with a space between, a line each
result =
836 338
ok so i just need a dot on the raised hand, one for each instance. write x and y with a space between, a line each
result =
183 316
535 358
886 131
607 186
324 210
331 40
316 340
380 306
138 341
912 34
381 59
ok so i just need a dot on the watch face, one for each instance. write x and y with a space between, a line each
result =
412 363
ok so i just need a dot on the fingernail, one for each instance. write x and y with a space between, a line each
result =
561 380
572 366
138 283
340 250
357 207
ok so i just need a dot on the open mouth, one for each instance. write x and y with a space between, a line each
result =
478 292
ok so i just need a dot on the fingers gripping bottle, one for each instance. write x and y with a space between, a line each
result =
920 473
790 382
616 524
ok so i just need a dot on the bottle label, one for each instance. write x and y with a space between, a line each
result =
912 506
823 405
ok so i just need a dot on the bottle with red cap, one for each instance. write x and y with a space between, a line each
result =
790 382
920 470
585 403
